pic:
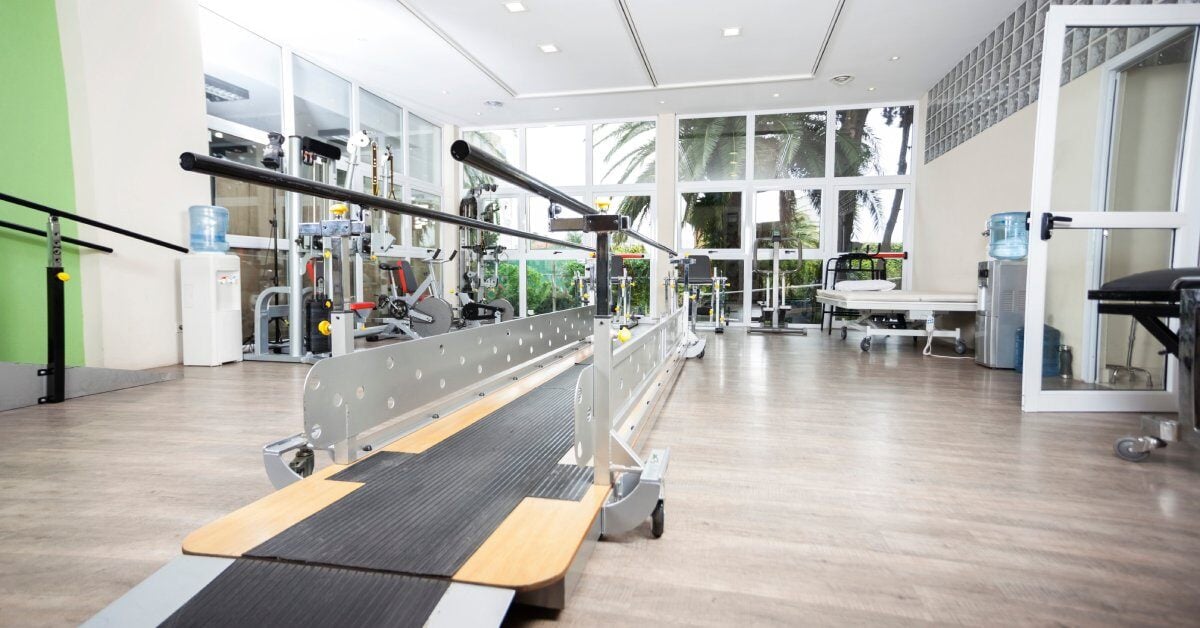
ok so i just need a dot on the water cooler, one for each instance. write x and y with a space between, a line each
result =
211 291
1001 312
212 309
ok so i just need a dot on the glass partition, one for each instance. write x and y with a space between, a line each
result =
424 150
242 74
322 103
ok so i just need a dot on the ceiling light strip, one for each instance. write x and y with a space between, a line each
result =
837 12
668 86
637 41
458 48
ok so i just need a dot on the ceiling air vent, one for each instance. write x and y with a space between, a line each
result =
841 79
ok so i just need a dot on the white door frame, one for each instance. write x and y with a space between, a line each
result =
1184 221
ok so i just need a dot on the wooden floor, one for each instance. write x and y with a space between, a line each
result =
810 483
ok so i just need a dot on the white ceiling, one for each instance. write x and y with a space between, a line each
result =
449 56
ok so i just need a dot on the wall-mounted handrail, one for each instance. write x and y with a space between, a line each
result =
88 221
204 164
486 162
38 232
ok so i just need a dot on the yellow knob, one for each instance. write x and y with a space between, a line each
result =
624 335
602 205
324 327
63 276
328 303
339 210
328 254
374 258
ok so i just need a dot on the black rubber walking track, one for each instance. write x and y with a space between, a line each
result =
383 554
269 593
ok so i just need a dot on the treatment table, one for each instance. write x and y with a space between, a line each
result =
900 313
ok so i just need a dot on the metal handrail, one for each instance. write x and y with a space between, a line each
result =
38 232
58 213
204 164
486 162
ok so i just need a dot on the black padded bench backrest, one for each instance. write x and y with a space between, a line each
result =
699 271
1151 283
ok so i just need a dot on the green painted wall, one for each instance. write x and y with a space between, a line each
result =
35 145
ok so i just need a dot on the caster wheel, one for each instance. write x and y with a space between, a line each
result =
1124 449
844 333
657 519
701 354
304 462
865 345
720 330
960 347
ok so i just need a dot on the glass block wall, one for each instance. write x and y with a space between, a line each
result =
1000 76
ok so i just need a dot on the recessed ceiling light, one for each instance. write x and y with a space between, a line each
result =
895 57
731 31
514 7
557 108
548 48
478 113
870 89
219 135
775 95
662 102
445 91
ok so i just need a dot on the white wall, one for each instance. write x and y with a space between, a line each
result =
135 102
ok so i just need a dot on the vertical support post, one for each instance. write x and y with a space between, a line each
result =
774 300
295 265
602 367
56 342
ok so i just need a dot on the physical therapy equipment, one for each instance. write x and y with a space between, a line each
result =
1148 298
495 500
900 313
774 307
29 384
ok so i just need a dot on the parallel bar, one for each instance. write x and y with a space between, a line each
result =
231 170
88 221
485 162
37 232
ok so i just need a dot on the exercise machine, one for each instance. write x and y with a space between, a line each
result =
623 315
415 310
774 307
479 292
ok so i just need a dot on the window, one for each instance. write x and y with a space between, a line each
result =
711 220
252 208
242 74
556 154
502 143
550 285
424 150
539 222
384 124
793 213
501 211
789 145
322 103
873 142
871 220
712 149
641 218
623 152
425 233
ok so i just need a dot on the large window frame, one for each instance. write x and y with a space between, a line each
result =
405 183
829 185
588 193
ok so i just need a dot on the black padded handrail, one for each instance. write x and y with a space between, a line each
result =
486 162
204 164
88 221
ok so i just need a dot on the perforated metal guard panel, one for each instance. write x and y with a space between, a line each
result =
426 514
566 481
269 593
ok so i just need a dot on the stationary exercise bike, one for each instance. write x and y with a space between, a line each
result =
412 309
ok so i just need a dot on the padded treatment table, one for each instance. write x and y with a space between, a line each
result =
915 307
441 527
1150 297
